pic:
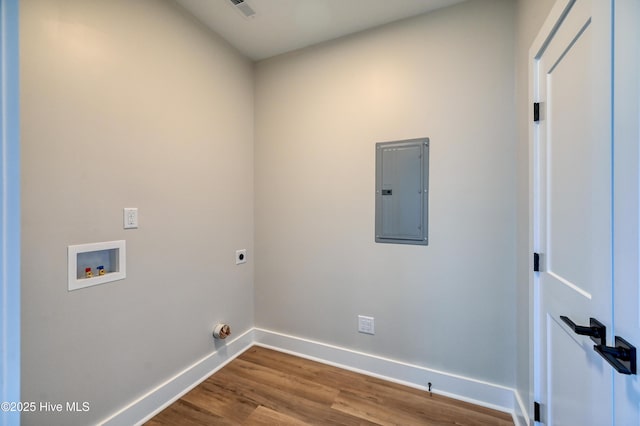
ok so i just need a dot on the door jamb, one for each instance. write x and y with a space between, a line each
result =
546 32
9 209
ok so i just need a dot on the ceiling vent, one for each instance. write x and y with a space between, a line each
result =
244 8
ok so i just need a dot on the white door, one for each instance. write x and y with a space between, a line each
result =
626 210
572 194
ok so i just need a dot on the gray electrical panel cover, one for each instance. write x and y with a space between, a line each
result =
402 191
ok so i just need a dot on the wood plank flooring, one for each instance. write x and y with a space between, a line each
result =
265 387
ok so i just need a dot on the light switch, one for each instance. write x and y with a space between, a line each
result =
130 217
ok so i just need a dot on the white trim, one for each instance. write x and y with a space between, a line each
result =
477 392
459 387
159 398
626 196
520 413
9 209
557 14
545 34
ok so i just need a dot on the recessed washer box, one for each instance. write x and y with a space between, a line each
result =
82 258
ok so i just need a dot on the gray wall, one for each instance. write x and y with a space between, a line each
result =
529 18
448 75
130 104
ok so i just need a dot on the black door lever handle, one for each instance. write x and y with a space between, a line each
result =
596 330
622 356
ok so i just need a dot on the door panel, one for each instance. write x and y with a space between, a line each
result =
571 208
568 388
572 213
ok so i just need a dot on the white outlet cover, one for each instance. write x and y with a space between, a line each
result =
130 217
241 256
366 324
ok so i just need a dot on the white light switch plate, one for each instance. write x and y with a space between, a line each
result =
130 217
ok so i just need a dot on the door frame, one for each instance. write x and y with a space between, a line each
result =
626 201
9 209
546 32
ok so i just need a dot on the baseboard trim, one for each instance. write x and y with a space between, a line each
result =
520 412
477 392
156 400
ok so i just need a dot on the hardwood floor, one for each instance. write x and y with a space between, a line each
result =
265 387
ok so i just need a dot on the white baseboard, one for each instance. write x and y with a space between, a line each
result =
520 413
156 400
477 392
462 388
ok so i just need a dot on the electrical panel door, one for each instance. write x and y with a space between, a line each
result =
402 191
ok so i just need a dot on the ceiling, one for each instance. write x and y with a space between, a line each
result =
280 26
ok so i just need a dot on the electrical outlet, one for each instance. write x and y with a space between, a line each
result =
241 256
366 325
130 217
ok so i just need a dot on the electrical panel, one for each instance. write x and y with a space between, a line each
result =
402 191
